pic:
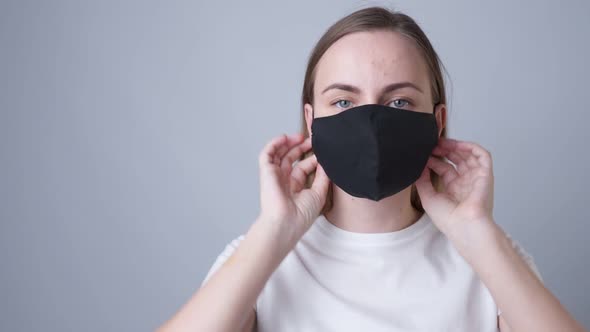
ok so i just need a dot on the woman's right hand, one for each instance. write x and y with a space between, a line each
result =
284 200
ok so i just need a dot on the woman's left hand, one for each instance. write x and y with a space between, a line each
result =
468 193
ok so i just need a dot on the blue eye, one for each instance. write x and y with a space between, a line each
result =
339 104
403 103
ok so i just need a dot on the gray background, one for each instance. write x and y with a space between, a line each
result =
130 131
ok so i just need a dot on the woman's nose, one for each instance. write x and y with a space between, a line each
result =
369 101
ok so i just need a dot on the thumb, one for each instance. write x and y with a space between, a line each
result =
424 187
321 183
433 202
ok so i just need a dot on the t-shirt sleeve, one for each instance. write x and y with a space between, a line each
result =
229 249
528 258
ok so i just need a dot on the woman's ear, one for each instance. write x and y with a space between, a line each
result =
308 111
440 113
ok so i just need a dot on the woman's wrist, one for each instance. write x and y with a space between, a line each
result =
279 234
476 238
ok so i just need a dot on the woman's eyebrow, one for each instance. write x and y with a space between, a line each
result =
386 89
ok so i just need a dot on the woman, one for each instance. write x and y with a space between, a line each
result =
374 230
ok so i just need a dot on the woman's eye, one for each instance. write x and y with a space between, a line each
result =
342 103
400 103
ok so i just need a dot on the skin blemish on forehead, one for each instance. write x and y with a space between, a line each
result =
371 65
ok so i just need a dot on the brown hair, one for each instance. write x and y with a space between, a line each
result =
370 19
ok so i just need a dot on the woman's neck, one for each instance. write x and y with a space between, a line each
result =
363 215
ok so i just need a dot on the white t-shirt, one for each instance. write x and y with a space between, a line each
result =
409 280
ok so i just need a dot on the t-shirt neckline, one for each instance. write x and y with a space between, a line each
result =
341 235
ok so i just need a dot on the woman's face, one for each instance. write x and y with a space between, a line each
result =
377 67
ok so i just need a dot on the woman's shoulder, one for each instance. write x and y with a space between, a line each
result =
524 254
224 254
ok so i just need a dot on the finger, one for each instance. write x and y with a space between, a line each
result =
445 146
461 163
320 184
268 152
294 154
302 170
293 140
433 202
453 156
482 155
442 168
276 147
439 150
424 186
469 161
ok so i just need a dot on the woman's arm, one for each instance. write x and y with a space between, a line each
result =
288 209
462 210
225 301
526 304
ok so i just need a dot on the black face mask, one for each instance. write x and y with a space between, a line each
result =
374 151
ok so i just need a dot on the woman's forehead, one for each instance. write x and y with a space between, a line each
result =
371 60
